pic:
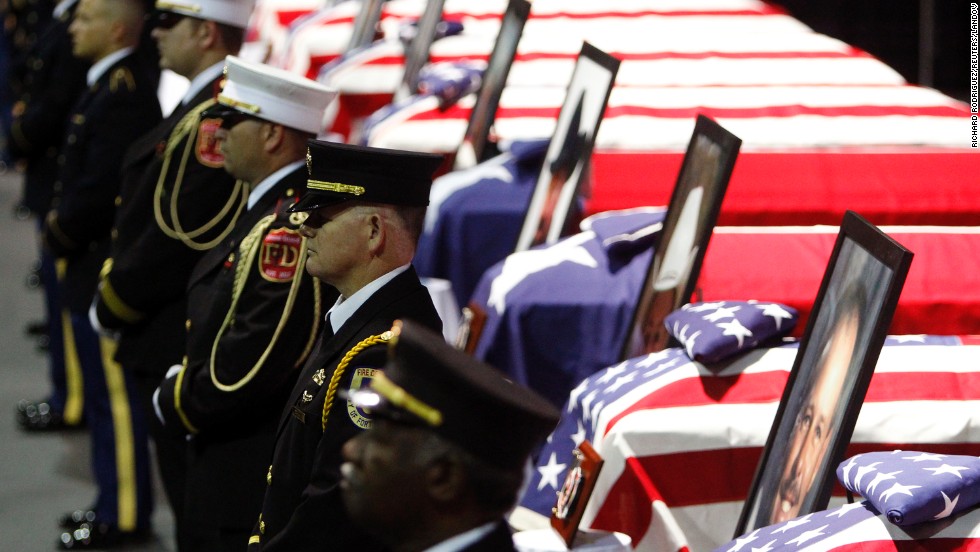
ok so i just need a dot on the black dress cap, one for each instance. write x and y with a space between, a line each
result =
429 383
342 172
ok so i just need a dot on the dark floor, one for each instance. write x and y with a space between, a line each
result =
41 476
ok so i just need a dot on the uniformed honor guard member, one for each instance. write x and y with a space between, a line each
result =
119 105
366 207
253 311
53 79
176 203
444 458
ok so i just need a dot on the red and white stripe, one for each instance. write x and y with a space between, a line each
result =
680 450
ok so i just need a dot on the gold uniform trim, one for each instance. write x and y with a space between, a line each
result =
251 108
342 367
17 132
334 187
75 400
186 132
196 8
58 233
117 305
122 76
178 385
122 422
248 249
403 399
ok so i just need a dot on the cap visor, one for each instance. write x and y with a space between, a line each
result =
377 406
218 110
314 201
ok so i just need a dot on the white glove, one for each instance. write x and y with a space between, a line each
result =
93 319
171 373
156 406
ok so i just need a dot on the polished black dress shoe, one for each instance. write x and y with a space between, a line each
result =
101 536
38 416
36 328
42 343
76 518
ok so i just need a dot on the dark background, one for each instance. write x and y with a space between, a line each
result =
890 31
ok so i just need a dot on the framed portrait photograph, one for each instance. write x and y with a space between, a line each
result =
474 147
417 52
365 24
679 250
830 376
566 164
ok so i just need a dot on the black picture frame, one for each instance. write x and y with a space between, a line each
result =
566 164
680 247
829 379
417 52
365 25
474 147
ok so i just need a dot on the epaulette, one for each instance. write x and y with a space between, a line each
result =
123 75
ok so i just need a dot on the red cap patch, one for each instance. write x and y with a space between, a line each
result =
280 255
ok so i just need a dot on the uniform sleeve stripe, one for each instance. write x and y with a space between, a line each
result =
58 233
115 304
177 406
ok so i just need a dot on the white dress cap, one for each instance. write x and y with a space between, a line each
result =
229 12
275 95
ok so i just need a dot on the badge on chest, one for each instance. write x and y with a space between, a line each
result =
208 152
361 380
280 255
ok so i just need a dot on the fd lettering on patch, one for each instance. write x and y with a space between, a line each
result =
207 150
280 255
361 380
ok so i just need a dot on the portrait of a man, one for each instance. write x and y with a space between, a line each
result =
476 145
687 228
826 387
552 210
815 420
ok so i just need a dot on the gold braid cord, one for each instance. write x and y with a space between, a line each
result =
317 317
187 128
177 403
247 251
342 367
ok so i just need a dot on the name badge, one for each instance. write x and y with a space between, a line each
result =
299 415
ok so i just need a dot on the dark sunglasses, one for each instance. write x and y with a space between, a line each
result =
165 19
231 120
229 117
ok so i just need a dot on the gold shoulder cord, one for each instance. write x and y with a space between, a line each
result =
342 366
247 251
187 128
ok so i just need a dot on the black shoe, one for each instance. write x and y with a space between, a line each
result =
38 416
42 343
100 536
76 518
36 328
